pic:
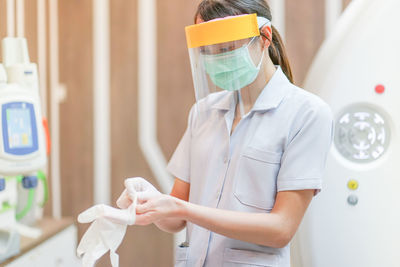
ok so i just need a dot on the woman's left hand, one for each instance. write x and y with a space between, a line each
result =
157 208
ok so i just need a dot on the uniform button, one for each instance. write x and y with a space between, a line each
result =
225 159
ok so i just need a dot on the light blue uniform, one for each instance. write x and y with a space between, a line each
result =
280 145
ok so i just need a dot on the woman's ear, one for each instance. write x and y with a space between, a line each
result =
266 31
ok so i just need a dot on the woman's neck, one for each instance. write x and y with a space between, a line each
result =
250 93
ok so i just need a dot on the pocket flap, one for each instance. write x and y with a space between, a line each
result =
181 253
261 155
250 257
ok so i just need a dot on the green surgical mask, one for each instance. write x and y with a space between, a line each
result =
232 70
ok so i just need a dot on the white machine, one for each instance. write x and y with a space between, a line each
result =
23 147
9 237
355 221
22 142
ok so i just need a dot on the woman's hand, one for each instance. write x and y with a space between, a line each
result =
154 207
158 208
136 186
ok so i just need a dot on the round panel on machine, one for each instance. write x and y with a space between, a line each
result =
362 133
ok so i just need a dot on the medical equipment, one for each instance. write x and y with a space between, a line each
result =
9 237
22 146
354 221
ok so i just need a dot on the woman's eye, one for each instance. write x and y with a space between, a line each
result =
226 49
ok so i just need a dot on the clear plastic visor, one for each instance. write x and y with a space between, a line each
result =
221 72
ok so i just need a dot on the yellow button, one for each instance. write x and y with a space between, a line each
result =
352 185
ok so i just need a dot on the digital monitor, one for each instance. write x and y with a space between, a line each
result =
19 128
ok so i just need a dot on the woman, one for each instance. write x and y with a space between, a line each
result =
254 151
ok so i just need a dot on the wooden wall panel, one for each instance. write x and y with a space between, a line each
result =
304 34
3 23
142 246
76 122
31 28
175 85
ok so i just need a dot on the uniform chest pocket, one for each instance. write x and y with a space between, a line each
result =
255 179
245 258
181 256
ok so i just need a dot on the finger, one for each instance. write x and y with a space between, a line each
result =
124 201
134 184
143 197
132 212
124 217
132 195
147 195
90 214
129 182
134 201
144 219
143 208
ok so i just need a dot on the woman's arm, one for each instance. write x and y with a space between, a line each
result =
274 229
180 190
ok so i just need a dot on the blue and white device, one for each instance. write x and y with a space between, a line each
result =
22 141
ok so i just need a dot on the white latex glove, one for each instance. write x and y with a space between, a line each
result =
106 232
139 187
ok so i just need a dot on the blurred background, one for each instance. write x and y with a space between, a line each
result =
92 69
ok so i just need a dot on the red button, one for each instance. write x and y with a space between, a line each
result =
379 89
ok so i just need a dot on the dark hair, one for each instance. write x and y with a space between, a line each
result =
212 9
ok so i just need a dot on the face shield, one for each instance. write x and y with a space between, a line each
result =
226 56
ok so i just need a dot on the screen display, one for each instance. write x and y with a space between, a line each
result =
19 127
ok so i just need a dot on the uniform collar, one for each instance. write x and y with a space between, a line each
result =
273 93
226 102
270 97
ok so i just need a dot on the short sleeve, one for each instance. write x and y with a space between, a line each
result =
303 161
179 164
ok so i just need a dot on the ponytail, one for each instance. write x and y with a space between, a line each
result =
278 54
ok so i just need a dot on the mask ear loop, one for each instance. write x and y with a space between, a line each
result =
262 55
239 98
261 60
